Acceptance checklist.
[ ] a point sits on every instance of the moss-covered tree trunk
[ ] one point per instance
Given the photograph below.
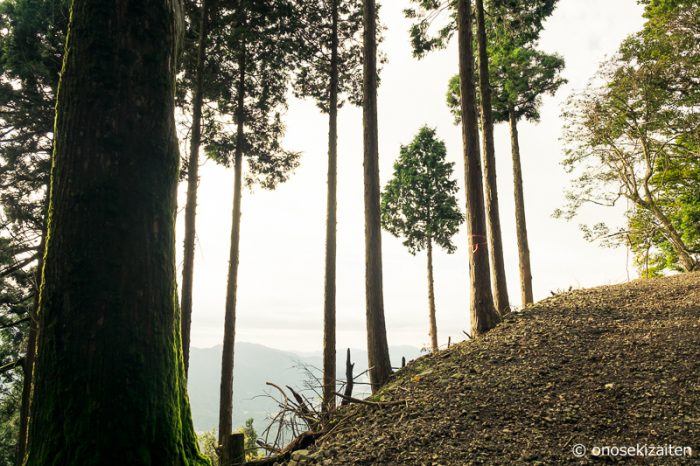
(109, 385)
(377, 346)
(482, 311)
(520, 222)
(493, 218)
(192, 185)
(329, 369)
(227, 356)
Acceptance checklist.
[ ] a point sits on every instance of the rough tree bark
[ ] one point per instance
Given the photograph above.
(482, 311)
(192, 184)
(227, 356)
(431, 299)
(520, 223)
(377, 346)
(493, 218)
(109, 385)
(329, 369)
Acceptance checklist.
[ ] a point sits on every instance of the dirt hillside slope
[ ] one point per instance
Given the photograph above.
(609, 366)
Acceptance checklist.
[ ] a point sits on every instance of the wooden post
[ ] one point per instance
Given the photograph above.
(233, 450)
(449, 341)
(403, 362)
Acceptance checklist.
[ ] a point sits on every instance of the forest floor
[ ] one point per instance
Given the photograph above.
(612, 366)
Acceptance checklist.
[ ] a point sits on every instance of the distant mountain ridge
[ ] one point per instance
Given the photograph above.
(254, 366)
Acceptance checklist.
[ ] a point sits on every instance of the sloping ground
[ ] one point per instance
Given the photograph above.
(610, 366)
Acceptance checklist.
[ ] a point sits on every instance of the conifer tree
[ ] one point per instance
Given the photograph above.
(419, 205)
(192, 167)
(377, 345)
(493, 218)
(252, 40)
(31, 51)
(109, 358)
(483, 313)
(519, 75)
(330, 71)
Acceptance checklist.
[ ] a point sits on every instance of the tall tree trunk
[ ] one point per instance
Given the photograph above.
(30, 355)
(482, 311)
(227, 356)
(192, 184)
(329, 369)
(520, 224)
(109, 384)
(431, 299)
(498, 269)
(377, 346)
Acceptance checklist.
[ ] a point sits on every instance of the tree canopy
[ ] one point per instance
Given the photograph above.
(419, 203)
(633, 135)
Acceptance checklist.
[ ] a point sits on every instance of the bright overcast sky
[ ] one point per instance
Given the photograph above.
(280, 289)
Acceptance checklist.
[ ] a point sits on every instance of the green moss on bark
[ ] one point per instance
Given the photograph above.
(109, 382)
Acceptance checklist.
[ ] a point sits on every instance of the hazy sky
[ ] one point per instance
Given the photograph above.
(280, 289)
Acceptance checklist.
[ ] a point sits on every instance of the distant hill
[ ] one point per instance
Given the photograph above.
(255, 365)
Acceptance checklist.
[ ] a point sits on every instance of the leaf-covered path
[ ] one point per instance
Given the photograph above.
(610, 366)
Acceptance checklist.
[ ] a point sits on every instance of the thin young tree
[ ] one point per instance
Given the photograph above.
(419, 205)
(109, 358)
(377, 345)
(253, 43)
(193, 182)
(483, 313)
(31, 50)
(519, 75)
(493, 218)
(330, 71)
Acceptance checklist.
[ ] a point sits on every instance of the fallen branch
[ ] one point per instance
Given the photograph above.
(284, 395)
(15, 323)
(303, 441)
(11, 365)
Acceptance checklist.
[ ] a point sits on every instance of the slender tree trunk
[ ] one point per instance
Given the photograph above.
(227, 357)
(493, 218)
(109, 385)
(520, 224)
(482, 311)
(377, 346)
(431, 299)
(192, 184)
(30, 356)
(329, 369)
(687, 261)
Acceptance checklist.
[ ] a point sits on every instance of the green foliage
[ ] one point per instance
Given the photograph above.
(251, 437)
(10, 398)
(251, 59)
(519, 73)
(208, 443)
(32, 36)
(314, 41)
(633, 134)
(418, 203)
(505, 16)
